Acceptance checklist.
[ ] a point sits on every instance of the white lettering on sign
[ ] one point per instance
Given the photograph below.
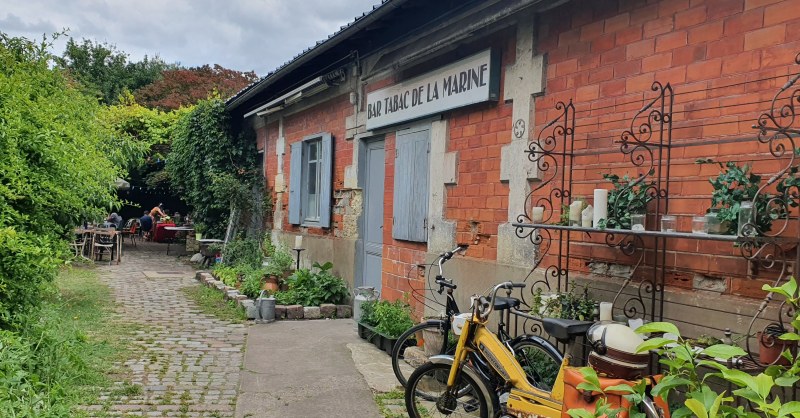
(472, 80)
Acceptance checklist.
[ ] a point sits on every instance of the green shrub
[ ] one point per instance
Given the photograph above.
(280, 262)
(368, 313)
(314, 287)
(251, 285)
(227, 274)
(242, 252)
(391, 318)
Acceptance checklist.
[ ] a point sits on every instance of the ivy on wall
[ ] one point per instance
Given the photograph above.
(213, 168)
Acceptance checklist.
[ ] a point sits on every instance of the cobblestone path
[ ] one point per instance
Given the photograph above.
(185, 363)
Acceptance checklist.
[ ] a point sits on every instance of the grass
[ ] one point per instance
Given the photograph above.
(211, 302)
(383, 400)
(64, 353)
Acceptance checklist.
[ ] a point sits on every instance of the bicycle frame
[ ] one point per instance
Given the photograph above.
(524, 399)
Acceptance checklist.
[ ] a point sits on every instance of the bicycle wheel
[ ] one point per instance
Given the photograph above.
(539, 363)
(404, 365)
(426, 394)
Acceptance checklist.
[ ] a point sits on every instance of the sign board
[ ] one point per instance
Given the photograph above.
(471, 80)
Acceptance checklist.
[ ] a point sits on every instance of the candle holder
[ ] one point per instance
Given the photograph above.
(297, 263)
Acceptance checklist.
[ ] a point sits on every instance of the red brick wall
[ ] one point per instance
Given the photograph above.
(479, 202)
(330, 117)
(725, 60)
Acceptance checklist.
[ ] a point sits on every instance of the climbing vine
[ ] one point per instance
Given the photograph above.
(211, 167)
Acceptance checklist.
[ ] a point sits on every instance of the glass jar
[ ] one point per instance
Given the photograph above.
(699, 225)
(668, 223)
(746, 217)
(638, 222)
(713, 224)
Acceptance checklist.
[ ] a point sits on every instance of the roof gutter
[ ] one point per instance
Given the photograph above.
(382, 10)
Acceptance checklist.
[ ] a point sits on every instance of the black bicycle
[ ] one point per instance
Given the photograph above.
(539, 358)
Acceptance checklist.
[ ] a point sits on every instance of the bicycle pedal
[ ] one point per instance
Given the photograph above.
(471, 405)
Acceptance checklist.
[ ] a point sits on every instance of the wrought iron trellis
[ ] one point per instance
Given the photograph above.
(646, 144)
(780, 197)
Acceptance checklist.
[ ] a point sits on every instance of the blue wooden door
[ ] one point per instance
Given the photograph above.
(373, 213)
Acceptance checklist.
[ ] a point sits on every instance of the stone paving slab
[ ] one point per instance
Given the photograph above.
(185, 363)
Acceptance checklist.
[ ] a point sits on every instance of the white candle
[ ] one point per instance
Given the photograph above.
(586, 217)
(605, 311)
(298, 241)
(575, 212)
(600, 206)
(537, 213)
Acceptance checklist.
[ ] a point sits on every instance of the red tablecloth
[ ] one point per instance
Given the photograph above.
(161, 234)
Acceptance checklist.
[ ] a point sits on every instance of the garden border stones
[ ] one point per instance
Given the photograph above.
(325, 311)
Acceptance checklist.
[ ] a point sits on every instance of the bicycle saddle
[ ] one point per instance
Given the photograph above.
(502, 303)
(565, 329)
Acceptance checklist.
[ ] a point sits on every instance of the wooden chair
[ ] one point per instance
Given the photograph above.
(104, 240)
(79, 243)
(130, 230)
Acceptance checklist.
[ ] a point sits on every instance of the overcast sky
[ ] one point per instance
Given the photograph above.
(243, 35)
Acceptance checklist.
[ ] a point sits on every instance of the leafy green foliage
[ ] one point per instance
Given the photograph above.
(389, 318)
(227, 274)
(313, 287)
(242, 252)
(628, 196)
(682, 361)
(251, 285)
(564, 305)
(393, 318)
(733, 186)
(57, 168)
(213, 169)
(280, 261)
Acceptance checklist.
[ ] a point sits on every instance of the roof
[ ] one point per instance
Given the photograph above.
(307, 54)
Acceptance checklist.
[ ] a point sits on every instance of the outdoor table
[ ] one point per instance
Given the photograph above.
(161, 234)
(176, 230)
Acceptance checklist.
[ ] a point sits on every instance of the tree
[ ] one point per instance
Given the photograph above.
(106, 72)
(186, 86)
(57, 168)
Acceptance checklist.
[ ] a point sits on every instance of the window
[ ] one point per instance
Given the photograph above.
(410, 221)
(310, 181)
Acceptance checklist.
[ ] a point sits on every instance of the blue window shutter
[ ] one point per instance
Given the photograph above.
(418, 230)
(402, 188)
(411, 187)
(295, 180)
(326, 181)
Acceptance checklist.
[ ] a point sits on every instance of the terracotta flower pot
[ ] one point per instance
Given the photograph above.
(770, 348)
(270, 283)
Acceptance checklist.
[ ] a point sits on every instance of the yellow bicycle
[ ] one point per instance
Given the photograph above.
(451, 386)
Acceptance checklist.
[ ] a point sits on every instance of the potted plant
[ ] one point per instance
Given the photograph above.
(565, 305)
(198, 231)
(278, 268)
(626, 197)
(382, 322)
(736, 184)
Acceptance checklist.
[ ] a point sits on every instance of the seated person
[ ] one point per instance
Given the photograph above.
(146, 224)
(114, 220)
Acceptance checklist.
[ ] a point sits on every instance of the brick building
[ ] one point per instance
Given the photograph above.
(379, 175)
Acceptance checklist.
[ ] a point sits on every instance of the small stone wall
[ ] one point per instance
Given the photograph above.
(325, 311)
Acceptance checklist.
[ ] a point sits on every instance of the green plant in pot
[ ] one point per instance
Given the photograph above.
(627, 196)
(567, 305)
(736, 184)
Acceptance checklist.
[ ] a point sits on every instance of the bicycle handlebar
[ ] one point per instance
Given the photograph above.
(443, 258)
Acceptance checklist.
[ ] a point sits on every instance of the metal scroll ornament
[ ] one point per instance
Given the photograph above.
(769, 247)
